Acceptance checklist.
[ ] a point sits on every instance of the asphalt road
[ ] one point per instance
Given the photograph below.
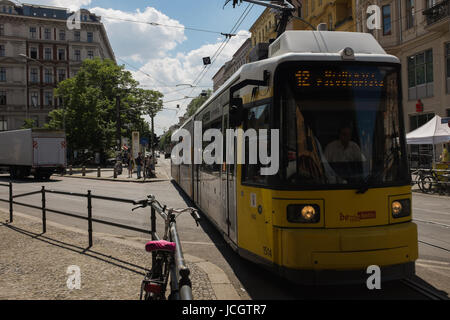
(252, 282)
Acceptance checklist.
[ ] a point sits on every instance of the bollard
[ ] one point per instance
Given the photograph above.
(44, 212)
(115, 173)
(83, 170)
(99, 173)
(70, 170)
(89, 197)
(10, 202)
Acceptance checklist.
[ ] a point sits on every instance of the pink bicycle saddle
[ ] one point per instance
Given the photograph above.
(161, 245)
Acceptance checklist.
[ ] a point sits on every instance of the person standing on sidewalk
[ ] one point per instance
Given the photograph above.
(130, 165)
(139, 163)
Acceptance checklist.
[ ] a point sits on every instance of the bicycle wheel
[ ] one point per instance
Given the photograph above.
(154, 285)
(426, 184)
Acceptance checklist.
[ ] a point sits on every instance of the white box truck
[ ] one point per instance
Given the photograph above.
(35, 152)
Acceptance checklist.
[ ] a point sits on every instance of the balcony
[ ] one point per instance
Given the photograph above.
(438, 16)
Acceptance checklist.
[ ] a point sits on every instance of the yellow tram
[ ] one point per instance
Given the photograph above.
(340, 200)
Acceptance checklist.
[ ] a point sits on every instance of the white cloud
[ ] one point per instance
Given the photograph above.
(140, 41)
(184, 68)
(70, 4)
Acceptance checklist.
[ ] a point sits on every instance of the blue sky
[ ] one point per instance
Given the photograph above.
(170, 56)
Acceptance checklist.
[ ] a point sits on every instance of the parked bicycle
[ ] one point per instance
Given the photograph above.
(167, 256)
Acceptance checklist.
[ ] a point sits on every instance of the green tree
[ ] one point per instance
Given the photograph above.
(29, 124)
(196, 103)
(89, 113)
(165, 141)
(151, 102)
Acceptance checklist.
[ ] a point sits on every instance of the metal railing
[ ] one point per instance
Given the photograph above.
(437, 12)
(181, 272)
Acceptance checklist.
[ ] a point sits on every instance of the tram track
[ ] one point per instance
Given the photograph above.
(429, 293)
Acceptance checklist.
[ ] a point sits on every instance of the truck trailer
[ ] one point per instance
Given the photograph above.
(37, 152)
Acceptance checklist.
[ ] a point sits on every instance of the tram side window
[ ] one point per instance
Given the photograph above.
(257, 118)
(214, 168)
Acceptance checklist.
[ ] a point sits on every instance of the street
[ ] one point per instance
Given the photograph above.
(432, 214)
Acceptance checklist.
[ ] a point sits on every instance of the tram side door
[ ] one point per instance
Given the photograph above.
(228, 183)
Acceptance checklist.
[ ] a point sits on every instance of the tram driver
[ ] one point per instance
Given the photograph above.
(344, 149)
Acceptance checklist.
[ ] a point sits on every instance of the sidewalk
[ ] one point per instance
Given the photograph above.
(108, 175)
(34, 266)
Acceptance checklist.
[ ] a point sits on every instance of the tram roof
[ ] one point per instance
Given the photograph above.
(308, 46)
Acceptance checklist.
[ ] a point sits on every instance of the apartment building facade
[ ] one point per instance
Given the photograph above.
(37, 51)
(418, 33)
(337, 14)
(240, 58)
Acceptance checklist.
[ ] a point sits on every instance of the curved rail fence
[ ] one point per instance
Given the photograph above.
(180, 271)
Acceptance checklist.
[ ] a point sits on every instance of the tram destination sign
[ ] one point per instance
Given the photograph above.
(338, 79)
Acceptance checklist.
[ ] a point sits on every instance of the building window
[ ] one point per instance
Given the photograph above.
(34, 99)
(48, 76)
(77, 36)
(77, 55)
(2, 29)
(420, 75)
(3, 124)
(61, 54)
(48, 98)
(447, 51)
(62, 35)
(3, 74)
(91, 54)
(90, 37)
(33, 53)
(61, 75)
(431, 3)
(48, 54)
(2, 98)
(47, 34)
(2, 51)
(330, 22)
(410, 14)
(386, 20)
(33, 33)
(34, 75)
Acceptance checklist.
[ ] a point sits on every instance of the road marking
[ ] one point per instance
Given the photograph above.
(431, 266)
(433, 211)
(433, 261)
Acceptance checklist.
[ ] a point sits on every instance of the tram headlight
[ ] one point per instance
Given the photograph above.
(303, 213)
(401, 208)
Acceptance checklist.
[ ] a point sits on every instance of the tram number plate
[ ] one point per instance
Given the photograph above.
(267, 251)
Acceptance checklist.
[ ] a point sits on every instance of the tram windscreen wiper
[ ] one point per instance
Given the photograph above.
(365, 184)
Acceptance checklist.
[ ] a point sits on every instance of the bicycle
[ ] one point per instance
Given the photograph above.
(163, 251)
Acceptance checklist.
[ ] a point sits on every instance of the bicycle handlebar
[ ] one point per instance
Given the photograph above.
(151, 200)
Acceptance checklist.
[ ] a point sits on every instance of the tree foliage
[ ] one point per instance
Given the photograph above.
(89, 112)
(196, 103)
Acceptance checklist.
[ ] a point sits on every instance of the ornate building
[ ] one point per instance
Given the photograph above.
(337, 14)
(37, 50)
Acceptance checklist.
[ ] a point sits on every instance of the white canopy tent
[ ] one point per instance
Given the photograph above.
(433, 132)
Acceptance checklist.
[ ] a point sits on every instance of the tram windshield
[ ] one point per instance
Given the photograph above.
(341, 125)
